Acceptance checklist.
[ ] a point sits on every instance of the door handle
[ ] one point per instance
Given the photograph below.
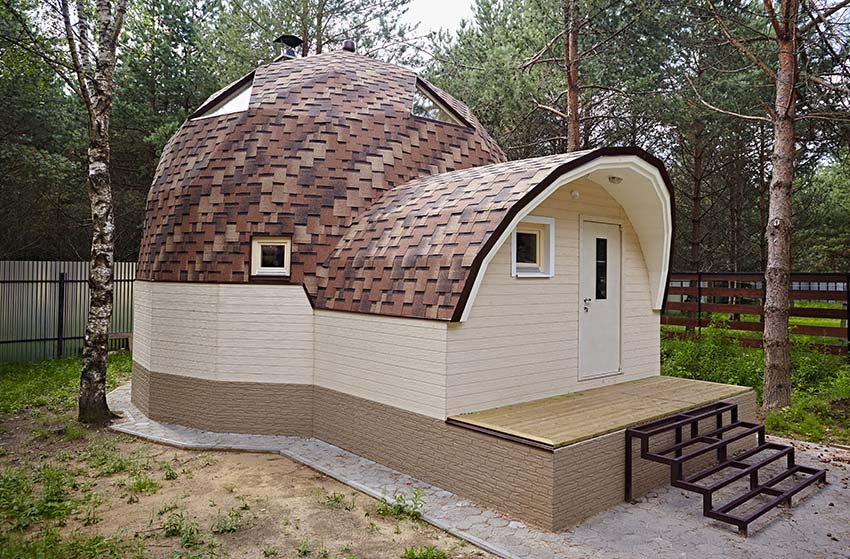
(586, 303)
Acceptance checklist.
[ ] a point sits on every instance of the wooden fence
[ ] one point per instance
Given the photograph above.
(819, 306)
(44, 305)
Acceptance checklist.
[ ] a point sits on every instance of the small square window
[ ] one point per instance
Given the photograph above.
(270, 256)
(528, 249)
(533, 248)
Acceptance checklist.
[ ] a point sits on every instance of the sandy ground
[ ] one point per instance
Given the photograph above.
(279, 505)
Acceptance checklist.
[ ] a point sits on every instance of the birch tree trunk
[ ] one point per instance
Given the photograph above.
(777, 363)
(92, 402)
(93, 55)
(571, 24)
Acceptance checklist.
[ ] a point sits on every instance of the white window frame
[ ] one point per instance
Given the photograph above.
(546, 248)
(256, 256)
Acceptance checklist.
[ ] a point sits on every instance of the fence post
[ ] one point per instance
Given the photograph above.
(60, 322)
(847, 311)
(699, 302)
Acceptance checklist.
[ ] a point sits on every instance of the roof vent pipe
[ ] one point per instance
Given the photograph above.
(348, 45)
(290, 42)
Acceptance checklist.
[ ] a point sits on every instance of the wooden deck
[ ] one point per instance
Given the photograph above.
(570, 418)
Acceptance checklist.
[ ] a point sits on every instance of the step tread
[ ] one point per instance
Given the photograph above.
(744, 468)
(714, 440)
(724, 514)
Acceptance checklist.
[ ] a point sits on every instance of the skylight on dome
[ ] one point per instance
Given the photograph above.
(234, 103)
(426, 106)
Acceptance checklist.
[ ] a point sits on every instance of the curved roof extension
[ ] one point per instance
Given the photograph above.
(422, 249)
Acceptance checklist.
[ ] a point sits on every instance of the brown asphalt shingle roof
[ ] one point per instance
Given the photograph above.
(324, 137)
(412, 253)
(418, 250)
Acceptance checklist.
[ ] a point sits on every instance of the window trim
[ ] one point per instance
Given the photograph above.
(424, 90)
(257, 269)
(545, 247)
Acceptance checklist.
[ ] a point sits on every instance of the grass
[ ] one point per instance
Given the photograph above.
(820, 397)
(427, 552)
(47, 543)
(52, 383)
(29, 497)
(62, 486)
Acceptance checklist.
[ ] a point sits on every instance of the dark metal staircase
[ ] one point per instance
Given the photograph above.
(708, 435)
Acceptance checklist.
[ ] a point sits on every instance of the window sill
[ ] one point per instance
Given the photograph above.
(533, 275)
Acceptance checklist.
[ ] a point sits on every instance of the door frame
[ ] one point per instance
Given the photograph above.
(606, 221)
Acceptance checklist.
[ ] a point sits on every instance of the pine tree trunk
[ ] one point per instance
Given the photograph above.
(571, 23)
(92, 403)
(696, 198)
(777, 363)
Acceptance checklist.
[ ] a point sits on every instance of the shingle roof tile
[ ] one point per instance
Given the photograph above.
(323, 138)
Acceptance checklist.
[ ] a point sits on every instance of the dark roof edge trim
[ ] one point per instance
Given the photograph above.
(223, 94)
(475, 269)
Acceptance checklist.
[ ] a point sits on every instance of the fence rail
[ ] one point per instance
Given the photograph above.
(44, 305)
(819, 306)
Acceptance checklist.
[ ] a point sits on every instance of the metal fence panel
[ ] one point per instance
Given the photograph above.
(33, 324)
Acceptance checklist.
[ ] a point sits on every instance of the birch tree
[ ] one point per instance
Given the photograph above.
(92, 47)
(777, 50)
(90, 30)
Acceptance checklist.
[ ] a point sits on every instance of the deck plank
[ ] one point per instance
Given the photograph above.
(570, 418)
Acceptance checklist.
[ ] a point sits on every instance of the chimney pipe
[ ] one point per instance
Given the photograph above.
(290, 43)
(348, 45)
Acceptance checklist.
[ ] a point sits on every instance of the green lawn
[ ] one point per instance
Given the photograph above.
(51, 383)
(820, 409)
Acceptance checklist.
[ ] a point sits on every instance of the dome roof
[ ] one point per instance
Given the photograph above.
(309, 145)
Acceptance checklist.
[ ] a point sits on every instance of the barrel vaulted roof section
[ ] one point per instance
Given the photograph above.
(421, 250)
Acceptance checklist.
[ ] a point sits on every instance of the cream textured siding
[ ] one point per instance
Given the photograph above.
(399, 362)
(521, 339)
(228, 332)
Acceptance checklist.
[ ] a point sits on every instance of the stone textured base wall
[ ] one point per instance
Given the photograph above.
(511, 477)
(550, 489)
(589, 476)
(225, 407)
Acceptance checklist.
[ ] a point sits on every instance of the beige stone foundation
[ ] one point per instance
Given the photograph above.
(224, 406)
(551, 489)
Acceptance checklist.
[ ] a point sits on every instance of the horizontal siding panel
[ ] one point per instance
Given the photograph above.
(521, 339)
(398, 362)
(226, 332)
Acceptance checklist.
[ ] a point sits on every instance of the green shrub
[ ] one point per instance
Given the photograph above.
(820, 408)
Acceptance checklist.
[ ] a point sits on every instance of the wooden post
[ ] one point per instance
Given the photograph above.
(847, 311)
(60, 319)
(699, 303)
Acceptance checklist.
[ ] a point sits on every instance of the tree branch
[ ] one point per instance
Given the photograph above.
(539, 54)
(724, 111)
(739, 45)
(552, 110)
(822, 16)
(75, 56)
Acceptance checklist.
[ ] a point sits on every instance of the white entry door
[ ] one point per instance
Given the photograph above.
(599, 299)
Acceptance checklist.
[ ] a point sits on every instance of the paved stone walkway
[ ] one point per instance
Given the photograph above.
(665, 524)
